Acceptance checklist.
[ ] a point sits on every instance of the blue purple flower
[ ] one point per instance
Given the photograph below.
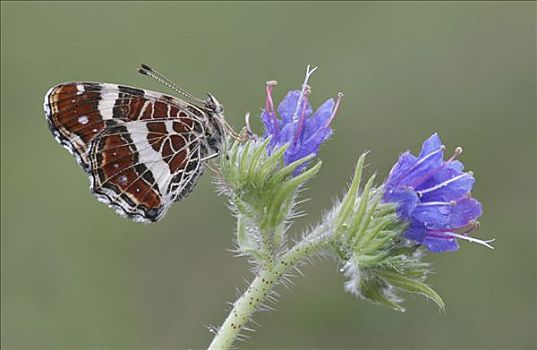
(434, 196)
(297, 125)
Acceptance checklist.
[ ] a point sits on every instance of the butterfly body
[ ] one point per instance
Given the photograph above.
(142, 150)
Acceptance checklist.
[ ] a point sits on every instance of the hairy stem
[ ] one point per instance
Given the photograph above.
(257, 291)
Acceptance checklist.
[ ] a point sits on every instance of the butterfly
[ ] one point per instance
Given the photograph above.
(142, 150)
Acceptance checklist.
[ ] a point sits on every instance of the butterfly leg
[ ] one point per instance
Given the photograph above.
(215, 171)
(209, 157)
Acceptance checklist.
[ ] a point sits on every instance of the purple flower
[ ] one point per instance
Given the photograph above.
(297, 125)
(434, 196)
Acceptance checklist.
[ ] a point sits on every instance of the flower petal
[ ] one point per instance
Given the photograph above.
(271, 123)
(456, 165)
(300, 150)
(439, 245)
(466, 210)
(312, 144)
(424, 167)
(406, 200)
(431, 144)
(323, 114)
(404, 164)
(416, 232)
(432, 213)
(288, 106)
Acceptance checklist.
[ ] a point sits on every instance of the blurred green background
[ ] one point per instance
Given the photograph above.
(75, 275)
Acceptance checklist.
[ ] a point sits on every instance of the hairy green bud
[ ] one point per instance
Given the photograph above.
(262, 192)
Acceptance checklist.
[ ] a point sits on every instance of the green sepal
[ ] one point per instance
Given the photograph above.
(369, 240)
(412, 285)
(262, 192)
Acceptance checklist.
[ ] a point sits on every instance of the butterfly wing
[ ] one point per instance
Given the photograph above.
(140, 167)
(76, 112)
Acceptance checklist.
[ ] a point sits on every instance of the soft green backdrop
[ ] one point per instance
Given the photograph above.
(75, 275)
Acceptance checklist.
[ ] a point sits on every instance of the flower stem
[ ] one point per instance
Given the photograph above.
(242, 310)
(260, 287)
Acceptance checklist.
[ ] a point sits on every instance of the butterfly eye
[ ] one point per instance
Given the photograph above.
(210, 106)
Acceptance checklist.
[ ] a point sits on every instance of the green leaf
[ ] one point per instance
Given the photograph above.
(412, 286)
(288, 170)
(362, 206)
(244, 159)
(374, 290)
(287, 188)
(272, 161)
(254, 162)
(348, 201)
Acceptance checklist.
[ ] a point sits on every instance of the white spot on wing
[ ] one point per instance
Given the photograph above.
(83, 119)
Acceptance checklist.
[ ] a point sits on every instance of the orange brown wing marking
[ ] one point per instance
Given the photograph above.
(185, 124)
(177, 148)
(157, 132)
(146, 112)
(133, 104)
(160, 110)
(73, 116)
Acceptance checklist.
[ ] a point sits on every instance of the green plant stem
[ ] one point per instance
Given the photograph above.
(257, 291)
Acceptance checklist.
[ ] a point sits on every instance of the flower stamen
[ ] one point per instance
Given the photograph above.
(302, 119)
(443, 184)
(471, 226)
(471, 239)
(269, 104)
(309, 72)
(334, 111)
(456, 153)
(433, 172)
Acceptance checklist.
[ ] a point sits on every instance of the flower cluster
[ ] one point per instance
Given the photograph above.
(298, 127)
(425, 199)
(433, 195)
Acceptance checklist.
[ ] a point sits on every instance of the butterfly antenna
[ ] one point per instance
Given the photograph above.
(151, 72)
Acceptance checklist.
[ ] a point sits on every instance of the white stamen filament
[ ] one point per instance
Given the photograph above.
(471, 239)
(309, 72)
(429, 155)
(445, 183)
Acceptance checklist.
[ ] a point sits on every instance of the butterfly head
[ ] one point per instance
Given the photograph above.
(212, 105)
